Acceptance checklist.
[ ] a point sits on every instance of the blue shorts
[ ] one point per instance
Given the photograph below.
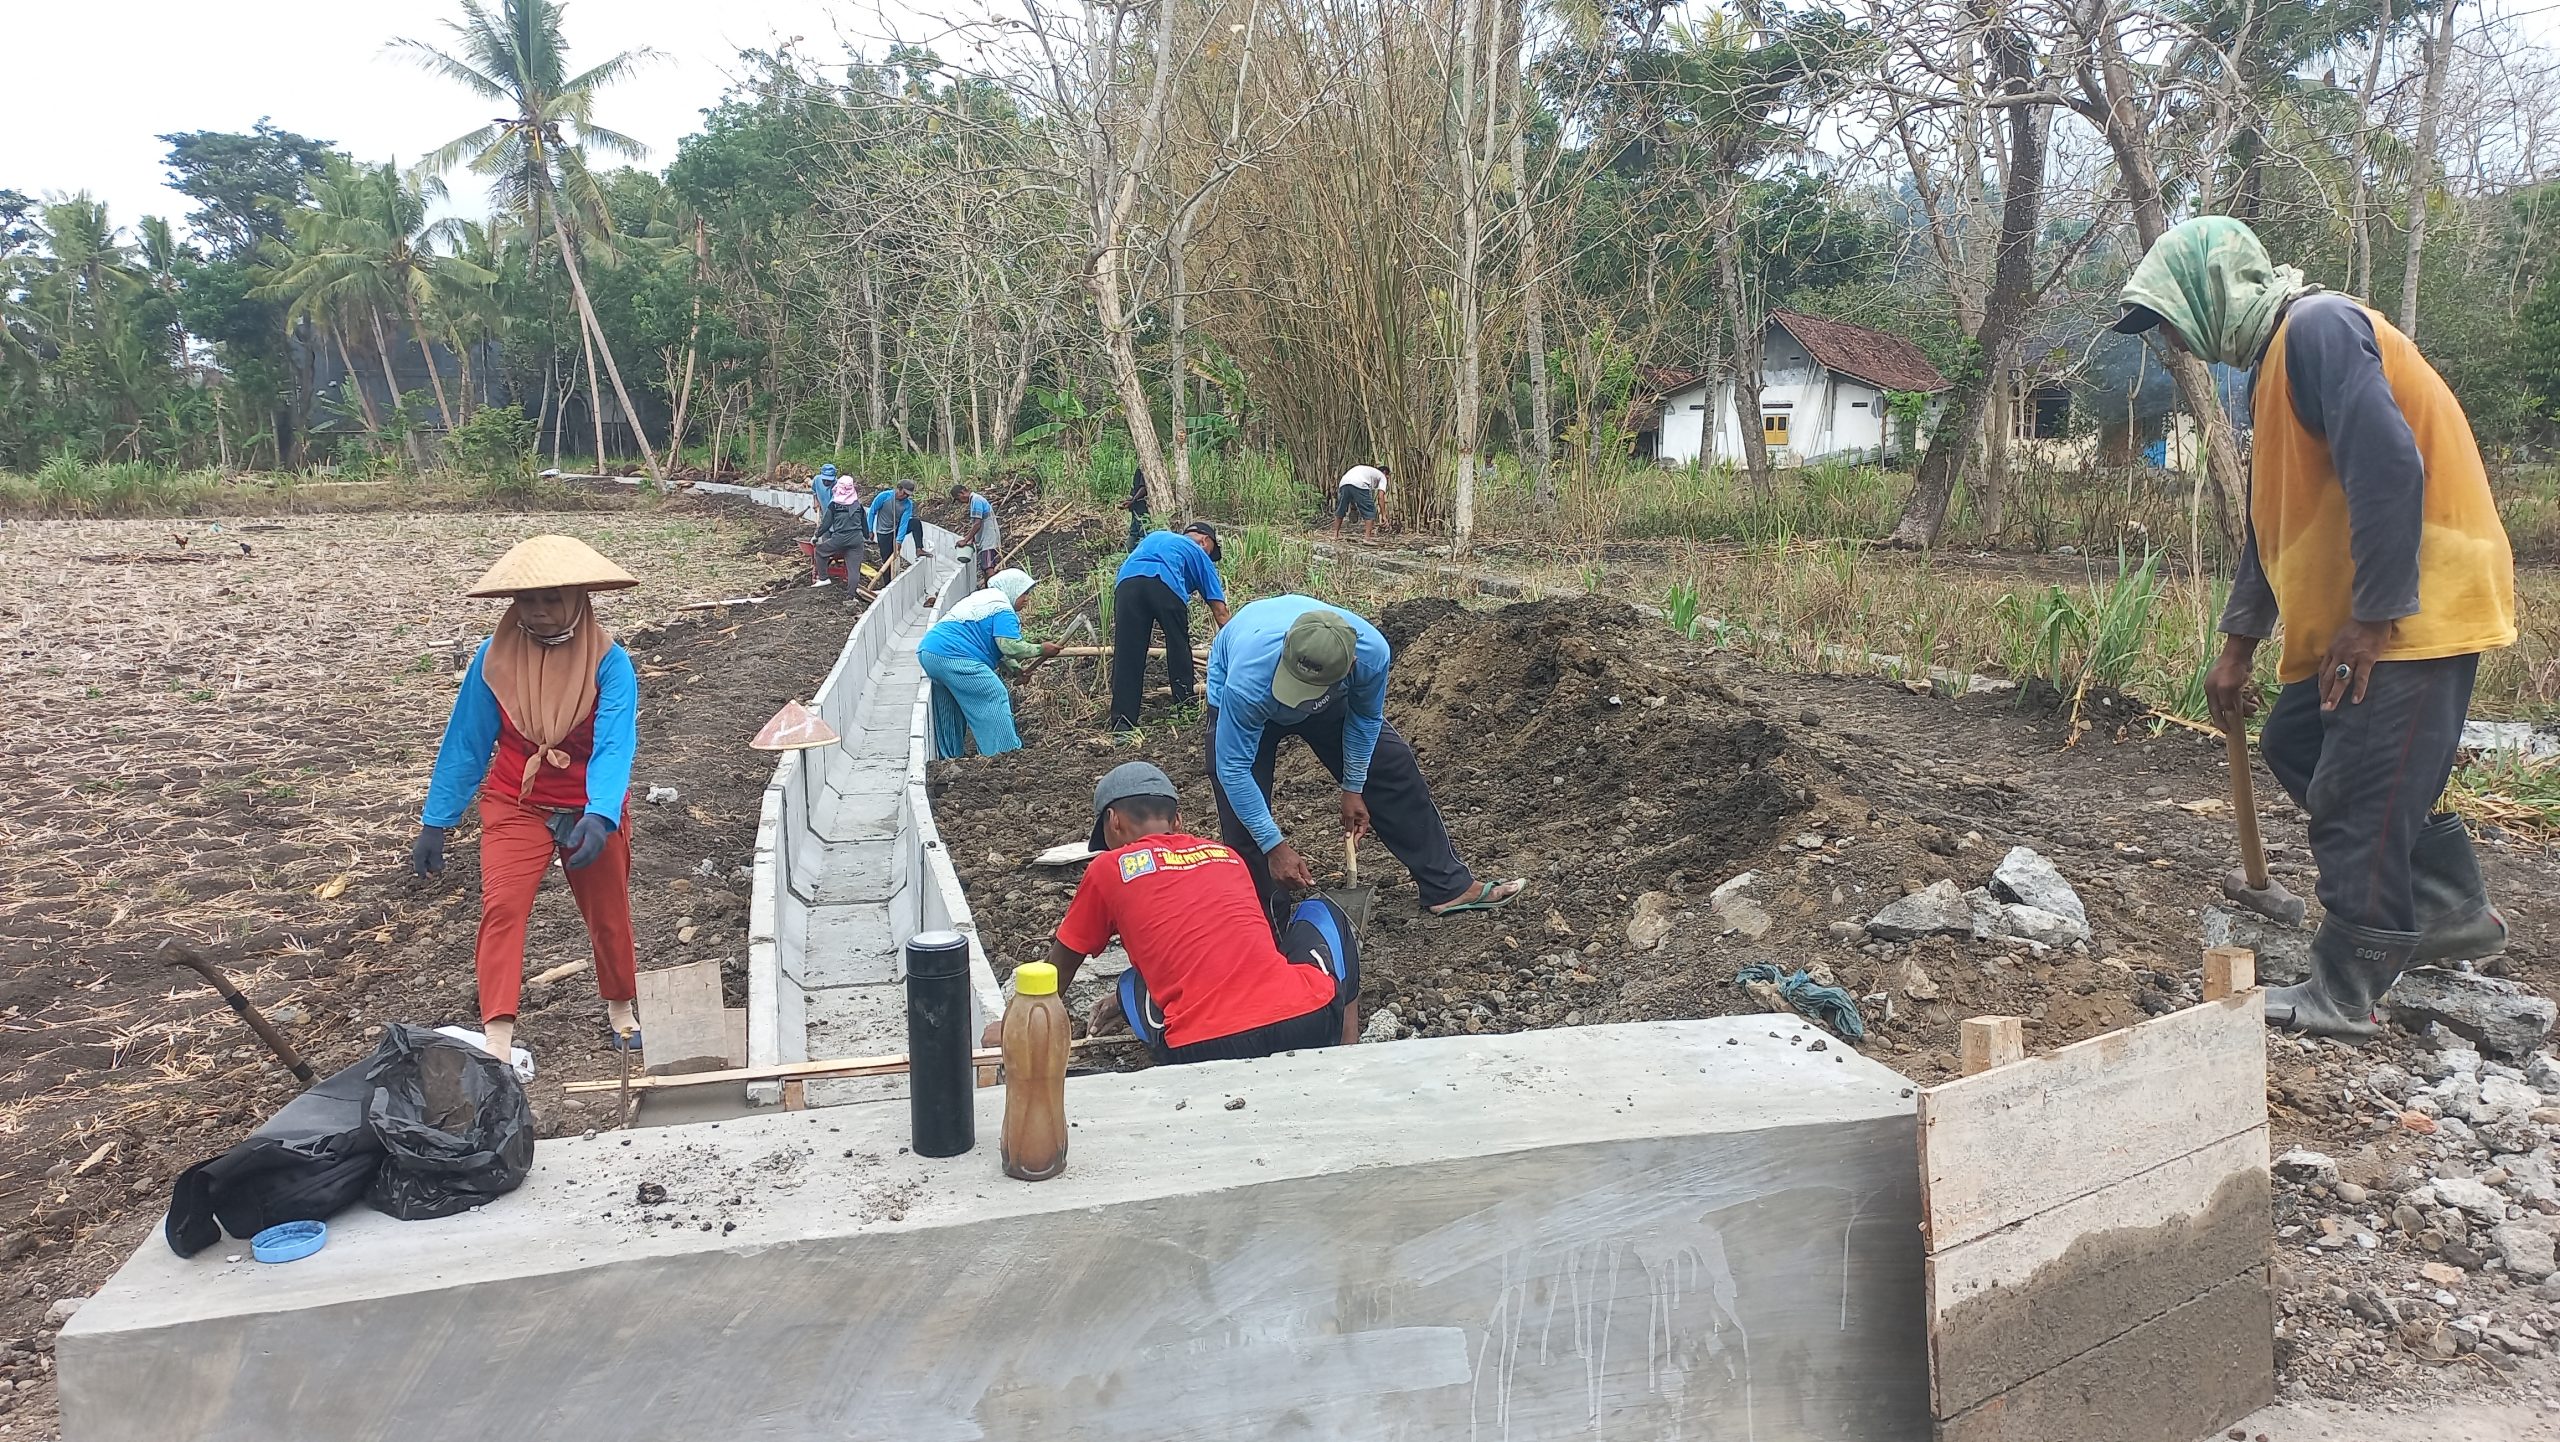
(1360, 500)
(1318, 934)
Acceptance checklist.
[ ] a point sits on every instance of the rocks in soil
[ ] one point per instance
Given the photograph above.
(2304, 1168)
(1998, 910)
(2034, 923)
(1914, 982)
(2526, 1250)
(1384, 1025)
(1938, 909)
(2500, 1017)
(2025, 877)
(2472, 1198)
(1650, 927)
(1990, 918)
(1733, 904)
(2283, 952)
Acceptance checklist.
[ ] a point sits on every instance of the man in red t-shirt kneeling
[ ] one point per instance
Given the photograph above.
(1205, 982)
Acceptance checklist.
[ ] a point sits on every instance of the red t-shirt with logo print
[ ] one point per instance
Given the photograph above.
(1186, 911)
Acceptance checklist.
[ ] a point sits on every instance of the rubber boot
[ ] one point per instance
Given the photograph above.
(2351, 967)
(2456, 921)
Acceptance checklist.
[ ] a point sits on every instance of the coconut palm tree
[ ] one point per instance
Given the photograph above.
(514, 55)
(366, 244)
(90, 264)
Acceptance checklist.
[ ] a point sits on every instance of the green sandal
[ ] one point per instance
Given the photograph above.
(1485, 899)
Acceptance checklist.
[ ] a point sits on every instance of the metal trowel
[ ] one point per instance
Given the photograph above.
(1351, 896)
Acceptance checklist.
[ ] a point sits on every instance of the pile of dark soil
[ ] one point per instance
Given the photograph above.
(1566, 741)
(1630, 774)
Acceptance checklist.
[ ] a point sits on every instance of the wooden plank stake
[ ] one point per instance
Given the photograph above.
(894, 1064)
(2229, 971)
(1984, 1042)
(1029, 536)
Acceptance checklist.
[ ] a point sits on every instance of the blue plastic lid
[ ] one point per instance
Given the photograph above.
(289, 1241)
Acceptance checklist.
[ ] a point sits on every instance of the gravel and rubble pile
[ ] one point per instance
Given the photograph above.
(2430, 1245)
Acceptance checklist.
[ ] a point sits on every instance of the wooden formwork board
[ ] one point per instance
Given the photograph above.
(683, 1025)
(2098, 1233)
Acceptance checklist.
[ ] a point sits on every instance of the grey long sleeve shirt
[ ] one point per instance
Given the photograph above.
(2333, 364)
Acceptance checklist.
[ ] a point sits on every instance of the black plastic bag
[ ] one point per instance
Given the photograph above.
(452, 1121)
(309, 1162)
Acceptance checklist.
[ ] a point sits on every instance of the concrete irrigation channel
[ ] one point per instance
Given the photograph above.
(1735, 1226)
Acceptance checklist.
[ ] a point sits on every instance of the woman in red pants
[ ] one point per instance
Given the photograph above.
(543, 731)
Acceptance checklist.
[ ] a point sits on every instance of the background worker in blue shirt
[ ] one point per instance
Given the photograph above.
(822, 489)
(981, 535)
(891, 518)
(969, 653)
(1154, 590)
(1294, 666)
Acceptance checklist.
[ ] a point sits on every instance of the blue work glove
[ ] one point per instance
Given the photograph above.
(426, 854)
(586, 842)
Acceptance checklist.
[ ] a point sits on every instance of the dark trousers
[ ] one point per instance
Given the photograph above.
(1318, 935)
(1400, 807)
(1137, 524)
(826, 548)
(2368, 775)
(1140, 606)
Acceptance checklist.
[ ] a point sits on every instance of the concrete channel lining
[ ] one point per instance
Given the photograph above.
(1676, 1229)
(824, 842)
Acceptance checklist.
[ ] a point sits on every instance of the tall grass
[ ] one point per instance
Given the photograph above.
(68, 486)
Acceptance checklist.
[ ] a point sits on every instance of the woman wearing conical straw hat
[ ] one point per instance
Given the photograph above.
(543, 731)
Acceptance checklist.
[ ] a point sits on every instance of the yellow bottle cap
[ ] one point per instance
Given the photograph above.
(1035, 978)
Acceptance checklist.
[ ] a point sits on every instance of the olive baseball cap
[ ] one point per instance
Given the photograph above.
(1316, 654)
(1126, 781)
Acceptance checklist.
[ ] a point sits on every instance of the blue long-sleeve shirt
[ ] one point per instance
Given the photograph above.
(1241, 663)
(907, 524)
(471, 739)
(1176, 560)
(973, 638)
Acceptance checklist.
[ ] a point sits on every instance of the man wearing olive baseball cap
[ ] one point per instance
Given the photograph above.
(1294, 666)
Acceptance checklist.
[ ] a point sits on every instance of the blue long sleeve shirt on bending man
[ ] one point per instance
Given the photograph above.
(471, 739)
(1241, 663)
(1176, 560)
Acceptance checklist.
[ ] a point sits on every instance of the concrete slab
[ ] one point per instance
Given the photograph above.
(857, 1020)
(1688, 1229)
(846, 946)
(851, 873)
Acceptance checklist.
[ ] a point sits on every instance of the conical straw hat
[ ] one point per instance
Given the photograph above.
(539, 563)
(794, 728)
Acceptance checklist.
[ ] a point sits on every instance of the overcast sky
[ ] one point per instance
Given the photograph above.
(88, 88)
(87, 91)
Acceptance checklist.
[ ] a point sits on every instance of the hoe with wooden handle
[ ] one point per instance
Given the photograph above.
(2248, 883)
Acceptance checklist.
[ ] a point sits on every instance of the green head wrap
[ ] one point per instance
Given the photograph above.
(2211, 279)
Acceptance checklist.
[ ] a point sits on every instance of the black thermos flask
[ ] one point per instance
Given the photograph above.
(941, 1107)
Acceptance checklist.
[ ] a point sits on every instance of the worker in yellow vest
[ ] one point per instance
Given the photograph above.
(2372, 536)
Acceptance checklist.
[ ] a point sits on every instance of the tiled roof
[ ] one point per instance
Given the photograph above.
(1886, 361)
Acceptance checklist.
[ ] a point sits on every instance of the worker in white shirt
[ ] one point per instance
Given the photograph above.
(1358, 490)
